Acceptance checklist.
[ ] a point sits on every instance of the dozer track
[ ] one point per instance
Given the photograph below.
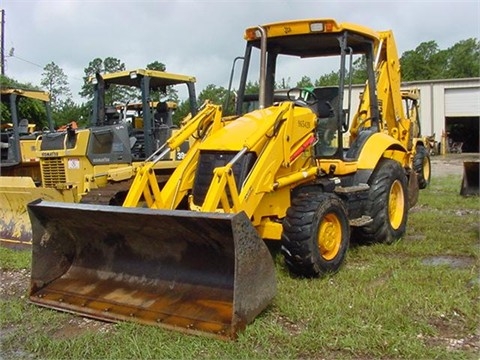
(112, 194)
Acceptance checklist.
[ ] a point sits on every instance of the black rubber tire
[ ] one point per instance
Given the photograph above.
(422, 166)
(387, 205)
(309, 216)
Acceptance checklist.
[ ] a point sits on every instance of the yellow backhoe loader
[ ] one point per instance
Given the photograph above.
(97, 164)
(190, 256)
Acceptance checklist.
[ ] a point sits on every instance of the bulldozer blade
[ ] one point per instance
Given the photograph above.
(471, 175)
(205, 273)
(15, 193)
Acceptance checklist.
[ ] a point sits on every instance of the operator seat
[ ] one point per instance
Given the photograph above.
(161, 113)
(326, 99)
(23, 127)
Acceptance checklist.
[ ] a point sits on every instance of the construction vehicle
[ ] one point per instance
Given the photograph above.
(19, 134)
(421, 160)
(19, 163)
(97, 164)
(110, 149)
(190, 256)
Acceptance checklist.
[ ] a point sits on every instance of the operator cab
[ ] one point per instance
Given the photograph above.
(324, 102)
(317, 45)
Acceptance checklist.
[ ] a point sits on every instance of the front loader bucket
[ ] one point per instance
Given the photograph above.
(471, 175)
(189, 271)
(15, 193)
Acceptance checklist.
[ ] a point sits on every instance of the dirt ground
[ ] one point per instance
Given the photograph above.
(451, 164)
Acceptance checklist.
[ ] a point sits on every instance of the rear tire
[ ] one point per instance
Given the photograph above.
(387, 205)
(315, 235)
(422, 166)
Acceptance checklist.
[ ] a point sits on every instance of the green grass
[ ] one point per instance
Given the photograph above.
(388, 301)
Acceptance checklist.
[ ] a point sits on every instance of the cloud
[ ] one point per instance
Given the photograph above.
(200, 37)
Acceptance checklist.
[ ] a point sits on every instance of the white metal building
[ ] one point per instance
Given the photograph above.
(446, 107)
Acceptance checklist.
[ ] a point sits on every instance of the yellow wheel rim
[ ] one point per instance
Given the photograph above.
(330, 236)
(426, 168)
(396, 204)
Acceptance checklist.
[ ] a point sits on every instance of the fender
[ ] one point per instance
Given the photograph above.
(381, 145)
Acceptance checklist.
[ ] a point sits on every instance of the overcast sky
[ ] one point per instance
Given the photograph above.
(199, 38)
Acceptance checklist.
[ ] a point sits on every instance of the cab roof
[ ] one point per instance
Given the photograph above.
(31, 94)
(311, 37)
(157, 78)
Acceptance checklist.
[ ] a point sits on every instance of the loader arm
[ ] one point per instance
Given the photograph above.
(145, 182)
(284, 137)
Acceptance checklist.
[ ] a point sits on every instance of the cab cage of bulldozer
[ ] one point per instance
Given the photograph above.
(148, 82)
(14, 128)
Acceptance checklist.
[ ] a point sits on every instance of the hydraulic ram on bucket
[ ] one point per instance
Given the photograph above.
(189, 271)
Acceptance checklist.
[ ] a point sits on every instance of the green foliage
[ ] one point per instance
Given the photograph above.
(157, 65)
(329, 79)
(100, 66)
(6, 82)
(252, 87)
(33, 110)
(55, 80)
(305, 82)
(217, 95)
(463, 59)
(182, 111)
(70, 111)
(425, 62)
(171, 94)
(14, 259)
(428, 62)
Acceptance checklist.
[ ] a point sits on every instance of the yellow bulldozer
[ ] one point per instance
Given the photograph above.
(96, 164)
(191, 255)
(19, 134)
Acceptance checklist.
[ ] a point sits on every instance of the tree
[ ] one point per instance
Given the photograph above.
(329, 79)
(252, 87)
(100, 66)
(182, 111)
(217, 95)
(56, 82)
(156, 65)
(171, 93)
(305, 82)
(72, 112)
(463, 59)
(426, 62)
(30, 109)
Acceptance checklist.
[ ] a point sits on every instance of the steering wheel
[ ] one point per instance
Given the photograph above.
(296, 95)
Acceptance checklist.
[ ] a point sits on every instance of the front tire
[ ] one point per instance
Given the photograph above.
(387, 205)
(315, 235)
(422, 166)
